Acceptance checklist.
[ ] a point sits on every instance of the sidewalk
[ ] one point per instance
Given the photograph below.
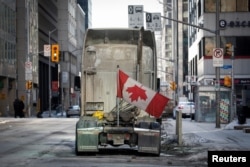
(199, 138)
(234, 123)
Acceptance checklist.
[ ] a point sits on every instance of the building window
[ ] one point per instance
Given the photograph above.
(228, 5)
(242, 46)
(210, 6)
(242, 5)
(226, 40)
(1, 50)
(200, 49)
(199, 8)
(209, 46)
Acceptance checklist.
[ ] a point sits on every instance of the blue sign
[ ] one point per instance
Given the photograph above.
(226, 66)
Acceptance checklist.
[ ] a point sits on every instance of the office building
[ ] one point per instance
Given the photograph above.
(234, 25)
(86, 5)
(8, 62)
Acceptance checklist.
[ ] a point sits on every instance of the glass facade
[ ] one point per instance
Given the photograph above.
(227, 6)
(241, 43)
(7, 32)
(206, 105)
(87, 8)
(7, 55)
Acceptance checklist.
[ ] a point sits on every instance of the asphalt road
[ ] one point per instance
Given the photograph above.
(50, 142)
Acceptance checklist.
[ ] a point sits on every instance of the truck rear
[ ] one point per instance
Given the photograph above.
(107, 122)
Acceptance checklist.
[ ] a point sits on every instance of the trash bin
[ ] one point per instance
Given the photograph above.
(242, 115)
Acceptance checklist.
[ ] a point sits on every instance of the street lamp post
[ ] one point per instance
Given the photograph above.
(50, 32)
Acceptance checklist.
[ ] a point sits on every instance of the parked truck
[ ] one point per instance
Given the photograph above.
(105, 121)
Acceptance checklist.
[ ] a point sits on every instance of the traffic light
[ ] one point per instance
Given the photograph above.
(28, 85)
(55, 53)
(228, 49)
(227, 81)
(173, 85)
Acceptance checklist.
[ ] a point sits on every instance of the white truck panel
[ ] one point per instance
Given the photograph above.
(104, 58)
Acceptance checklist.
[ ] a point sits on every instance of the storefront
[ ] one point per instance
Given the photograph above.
(206, 105)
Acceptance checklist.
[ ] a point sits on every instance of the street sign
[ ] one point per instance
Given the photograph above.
(153, 21)
(46, 50)
(28, 66)
(218, 57)
(135, 16)
(28, 76)
(227, 66)
(28, 70)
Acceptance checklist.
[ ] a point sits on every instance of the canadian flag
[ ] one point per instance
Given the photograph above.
(135, 93)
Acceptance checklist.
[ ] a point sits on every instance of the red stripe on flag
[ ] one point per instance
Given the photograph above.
(122, 79)
(157, 105)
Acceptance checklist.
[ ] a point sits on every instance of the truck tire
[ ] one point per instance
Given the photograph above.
(192, 116)
(76, 143)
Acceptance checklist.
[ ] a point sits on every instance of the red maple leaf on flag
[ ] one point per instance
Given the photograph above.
(136, 92)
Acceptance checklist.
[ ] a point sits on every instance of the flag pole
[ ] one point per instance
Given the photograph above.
(117, 98)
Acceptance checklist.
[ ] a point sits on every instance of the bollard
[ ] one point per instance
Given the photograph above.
(179, 127)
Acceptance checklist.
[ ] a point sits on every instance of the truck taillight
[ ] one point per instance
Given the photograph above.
(127, 136)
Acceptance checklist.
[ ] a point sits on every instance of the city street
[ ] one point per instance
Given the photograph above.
(33, 142)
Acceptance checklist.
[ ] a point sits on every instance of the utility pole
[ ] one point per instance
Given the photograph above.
(232, 87)
(217, 69)
(28, 102)
(175, 51)
(50, 95)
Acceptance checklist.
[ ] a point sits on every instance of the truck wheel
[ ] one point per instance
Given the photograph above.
(192, 117)
(76, 143)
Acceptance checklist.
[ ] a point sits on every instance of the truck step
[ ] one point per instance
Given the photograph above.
(241, 127)
(246, 130)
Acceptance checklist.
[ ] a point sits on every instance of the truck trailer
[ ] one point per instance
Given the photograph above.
(108, 122)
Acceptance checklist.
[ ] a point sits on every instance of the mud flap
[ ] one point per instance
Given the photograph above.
(87, 134)
(87, 141)
(149, 142)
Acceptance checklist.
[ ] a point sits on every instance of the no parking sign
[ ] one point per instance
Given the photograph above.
(218, 57)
